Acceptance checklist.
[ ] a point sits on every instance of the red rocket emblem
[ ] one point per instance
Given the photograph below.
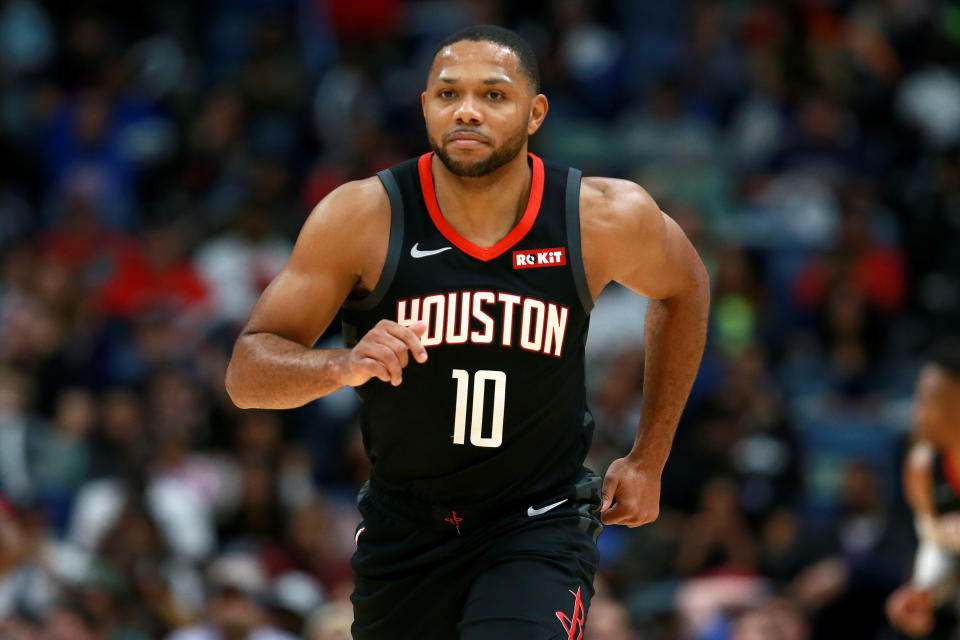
(573, 625)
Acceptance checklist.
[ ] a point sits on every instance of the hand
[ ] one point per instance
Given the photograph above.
(383, 353)
(910, 611)
(631, 494)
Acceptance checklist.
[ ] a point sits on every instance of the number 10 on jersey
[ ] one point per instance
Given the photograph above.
(480, 380)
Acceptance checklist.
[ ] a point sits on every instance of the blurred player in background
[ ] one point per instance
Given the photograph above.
(932, 486)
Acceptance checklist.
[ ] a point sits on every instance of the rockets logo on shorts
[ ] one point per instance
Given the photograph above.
(573, 624)
(556, 257)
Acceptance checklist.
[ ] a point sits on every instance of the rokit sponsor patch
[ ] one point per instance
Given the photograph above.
(533, 258)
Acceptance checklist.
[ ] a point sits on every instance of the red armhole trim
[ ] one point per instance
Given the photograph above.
(505, 243)
(951, 473)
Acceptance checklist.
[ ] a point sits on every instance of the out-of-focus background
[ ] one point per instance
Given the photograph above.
(157, 160)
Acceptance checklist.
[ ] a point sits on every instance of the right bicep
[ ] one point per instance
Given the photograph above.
(325, 266)
(299, 305)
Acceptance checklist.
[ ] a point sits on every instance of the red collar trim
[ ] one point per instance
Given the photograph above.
(512, 238)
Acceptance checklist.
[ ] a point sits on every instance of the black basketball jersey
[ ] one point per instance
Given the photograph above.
(946, 484)
(498, 411)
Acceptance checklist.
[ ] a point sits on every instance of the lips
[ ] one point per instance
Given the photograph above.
(466, 139)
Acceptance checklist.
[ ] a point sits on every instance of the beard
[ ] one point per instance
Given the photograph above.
(500, 156)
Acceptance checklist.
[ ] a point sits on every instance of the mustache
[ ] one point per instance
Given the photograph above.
(469, 130)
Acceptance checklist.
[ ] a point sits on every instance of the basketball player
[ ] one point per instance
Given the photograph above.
(466, 277)
(932, 486)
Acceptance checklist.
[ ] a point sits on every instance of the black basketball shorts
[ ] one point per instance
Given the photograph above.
(526, 575)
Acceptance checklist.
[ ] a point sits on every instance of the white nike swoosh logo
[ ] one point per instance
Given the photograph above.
(535, 512)
(417, 253)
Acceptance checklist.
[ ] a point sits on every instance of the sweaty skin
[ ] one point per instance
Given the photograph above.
(478, 106)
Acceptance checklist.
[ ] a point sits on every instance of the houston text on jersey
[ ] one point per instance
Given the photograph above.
(448, 318)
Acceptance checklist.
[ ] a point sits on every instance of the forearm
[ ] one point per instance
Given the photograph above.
(267, 371)
(676, 330)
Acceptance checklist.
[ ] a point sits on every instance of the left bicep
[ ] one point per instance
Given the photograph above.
(661, 262)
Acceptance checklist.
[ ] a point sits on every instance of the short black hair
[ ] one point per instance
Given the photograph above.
(503, 37)
(946, 355)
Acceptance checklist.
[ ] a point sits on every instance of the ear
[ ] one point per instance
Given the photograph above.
(538, 111)
(423, 104)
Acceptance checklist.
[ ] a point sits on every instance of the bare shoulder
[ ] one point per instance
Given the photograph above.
(618, 219)
(614, 212)
(350, 225)
(605, 201)
(351, 207)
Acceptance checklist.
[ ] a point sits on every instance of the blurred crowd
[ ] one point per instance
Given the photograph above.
(157, 160)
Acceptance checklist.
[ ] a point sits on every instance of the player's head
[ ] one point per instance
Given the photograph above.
(482, 99)
(937, 405)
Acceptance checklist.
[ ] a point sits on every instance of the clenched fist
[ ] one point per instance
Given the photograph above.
(631, 494)
(382, 353)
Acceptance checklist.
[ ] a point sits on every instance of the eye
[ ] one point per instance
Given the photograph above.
(495, 95)
(445, 93)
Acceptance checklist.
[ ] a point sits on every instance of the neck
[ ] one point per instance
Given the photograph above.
(484, 209)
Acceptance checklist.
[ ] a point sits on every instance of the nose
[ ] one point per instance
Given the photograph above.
(468, 111)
